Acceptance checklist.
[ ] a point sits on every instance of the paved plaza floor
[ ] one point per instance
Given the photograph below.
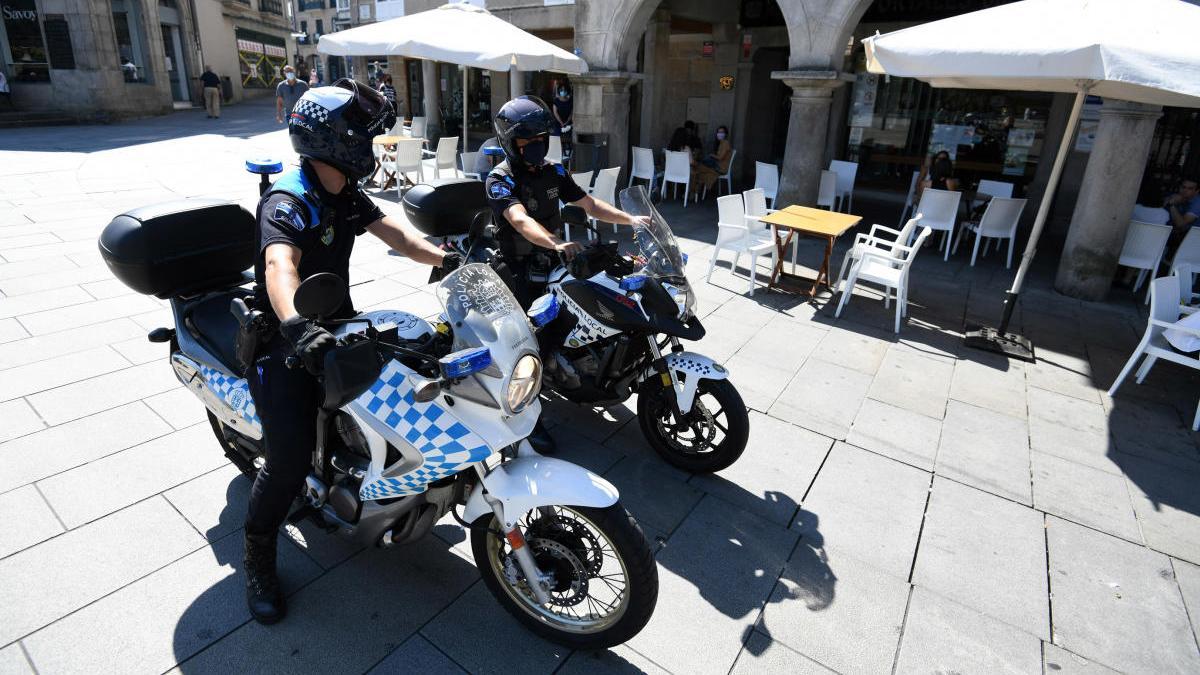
(905, 504)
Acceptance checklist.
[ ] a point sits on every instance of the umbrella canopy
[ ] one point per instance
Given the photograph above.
(462, 34)
(1140, 51)
(1143, 51)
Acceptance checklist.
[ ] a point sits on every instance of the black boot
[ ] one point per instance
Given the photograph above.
(262, 583)
(541, 440)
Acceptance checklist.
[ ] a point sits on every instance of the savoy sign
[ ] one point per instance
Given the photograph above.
(11, 14)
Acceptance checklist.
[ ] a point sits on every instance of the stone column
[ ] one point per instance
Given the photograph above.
(602, 106)
(654, 126)
(1106, 199)
(812, 96)
(431, 86)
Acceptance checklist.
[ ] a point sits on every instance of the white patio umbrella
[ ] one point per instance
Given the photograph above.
(1141, 51)
(458, 33)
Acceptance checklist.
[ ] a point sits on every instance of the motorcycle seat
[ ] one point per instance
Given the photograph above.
(215, 327)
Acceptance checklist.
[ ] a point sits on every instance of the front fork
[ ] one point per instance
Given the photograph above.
(539, 583)
(669, 379)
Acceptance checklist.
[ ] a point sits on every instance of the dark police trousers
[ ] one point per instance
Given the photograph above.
(286, 401)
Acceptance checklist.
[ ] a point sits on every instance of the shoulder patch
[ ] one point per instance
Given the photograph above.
(499, 189)
(286, 212)
(560, 169)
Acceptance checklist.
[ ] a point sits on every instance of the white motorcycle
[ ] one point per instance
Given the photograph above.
(416, 421)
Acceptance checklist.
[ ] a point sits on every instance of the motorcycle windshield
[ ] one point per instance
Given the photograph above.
(656, 243)
(483, 313)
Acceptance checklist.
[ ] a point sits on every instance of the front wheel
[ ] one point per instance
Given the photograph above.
(602, 576)
(711, 436)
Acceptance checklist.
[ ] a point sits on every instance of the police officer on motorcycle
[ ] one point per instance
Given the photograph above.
(307, 223)
(524, 192)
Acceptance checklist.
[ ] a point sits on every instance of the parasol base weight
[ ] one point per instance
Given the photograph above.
(1009, 344)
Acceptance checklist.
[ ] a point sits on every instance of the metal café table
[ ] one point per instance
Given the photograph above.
(827, 225)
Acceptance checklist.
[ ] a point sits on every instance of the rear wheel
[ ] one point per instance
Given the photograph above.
(602, 576)
(709, 438)
(246, 461)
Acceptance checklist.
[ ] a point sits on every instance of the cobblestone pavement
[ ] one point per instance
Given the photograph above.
(904, 504)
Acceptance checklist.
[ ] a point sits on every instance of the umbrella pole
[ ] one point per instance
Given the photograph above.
(999, 339)
(465, 73)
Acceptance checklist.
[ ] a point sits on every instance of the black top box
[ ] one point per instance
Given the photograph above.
(181, 247)
(447, 208)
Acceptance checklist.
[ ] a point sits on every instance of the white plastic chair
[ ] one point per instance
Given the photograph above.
(890, 270)
(1150, 214)
(939, 211)
(417, 128)
(468, 159)
(846, 173)
(754, 201)
(406, 161)
(1143, 250)
(873, 240)
(584, 180)
(443, 159)
(605, 189)
(1165, 310)
(737, 233)
(908, 200)
(1186, 276)
(554, 150)
(678, 171)
(1188, 252)
(999, 221)
(995, 188)
(827, 190)
(727, 176)
(766, 178)
(643, 167)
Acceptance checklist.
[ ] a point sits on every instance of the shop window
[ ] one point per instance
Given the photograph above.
(26, 48)
(261, 58)
(132, 56)
(320, 29)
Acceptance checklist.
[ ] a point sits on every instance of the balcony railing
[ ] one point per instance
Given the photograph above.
(271, 6)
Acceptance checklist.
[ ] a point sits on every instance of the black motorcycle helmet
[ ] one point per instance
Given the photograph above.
(522, 117)
(335, 125)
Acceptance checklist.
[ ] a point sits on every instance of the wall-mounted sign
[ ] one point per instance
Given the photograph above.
(726, 82)
(709, 48)
(747, 41)
(27, 51)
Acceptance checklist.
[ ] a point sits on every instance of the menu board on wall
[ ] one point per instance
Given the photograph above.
(58, 42)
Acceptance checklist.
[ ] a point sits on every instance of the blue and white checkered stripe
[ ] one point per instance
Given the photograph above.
(235, 392)
(447, 445)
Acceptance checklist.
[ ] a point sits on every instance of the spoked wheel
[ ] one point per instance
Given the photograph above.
(601, 576)
(710, 437)
(246, 462)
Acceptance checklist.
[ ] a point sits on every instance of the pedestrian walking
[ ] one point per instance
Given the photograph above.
(212, 92)
(287, 93)
(388, 91)
(4, 90)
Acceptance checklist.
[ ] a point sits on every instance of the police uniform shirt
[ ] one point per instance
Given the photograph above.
(325, 246)
(538, 191)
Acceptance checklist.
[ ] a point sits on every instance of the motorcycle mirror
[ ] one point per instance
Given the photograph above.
(426, 390)
(320, 295)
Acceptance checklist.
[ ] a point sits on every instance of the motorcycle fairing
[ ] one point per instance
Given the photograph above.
(528, 482)
(447, 446)
(588, 329)
(235, 392)
(697, 367)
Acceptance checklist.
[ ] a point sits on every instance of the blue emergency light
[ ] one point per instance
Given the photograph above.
(543, 310)
(464, 362)
(633, 282)
(264, 166)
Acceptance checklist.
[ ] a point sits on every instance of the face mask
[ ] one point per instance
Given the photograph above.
(562, 93)
(720, 135)
(291, 76)
(534, 153)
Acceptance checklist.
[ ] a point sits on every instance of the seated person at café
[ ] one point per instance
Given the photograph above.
(685, 138)
(1183, 210)
(710, 167)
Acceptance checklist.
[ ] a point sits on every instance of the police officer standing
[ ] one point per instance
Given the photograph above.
(307, 223)
(524, 192)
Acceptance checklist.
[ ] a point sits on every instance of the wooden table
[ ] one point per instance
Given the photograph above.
(827, 225)
(389, 178)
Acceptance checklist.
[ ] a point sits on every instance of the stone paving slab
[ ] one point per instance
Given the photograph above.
(987, 553)
(848, 512)
(619, 659)
(901, 434)
(1167, 505)
(1059, 661)
(823, 397)
(1084, 495)
(1117, 602)
(165, 617)
(13, 661)
(942, 636)
(28, 520)
(68, 341)
(763, 655)
(19, 420)
(992, 383)
(913, 382)
(1188, 576)
(51, 373)
(416, 655)
(986, 449)
(58, 576)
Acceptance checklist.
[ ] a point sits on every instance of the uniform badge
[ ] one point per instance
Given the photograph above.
(559, 168)
(327, 235)
(532, 204)
(499, 190)
(286, 212)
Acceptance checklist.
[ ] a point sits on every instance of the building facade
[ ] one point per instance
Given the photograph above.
(248, 42)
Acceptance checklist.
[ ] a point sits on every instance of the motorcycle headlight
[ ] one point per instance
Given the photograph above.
(524, 383)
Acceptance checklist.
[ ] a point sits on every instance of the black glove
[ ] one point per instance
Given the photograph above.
(450, 262)
(309, 341)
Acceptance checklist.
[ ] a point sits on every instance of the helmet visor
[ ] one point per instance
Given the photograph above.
(368, 108)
